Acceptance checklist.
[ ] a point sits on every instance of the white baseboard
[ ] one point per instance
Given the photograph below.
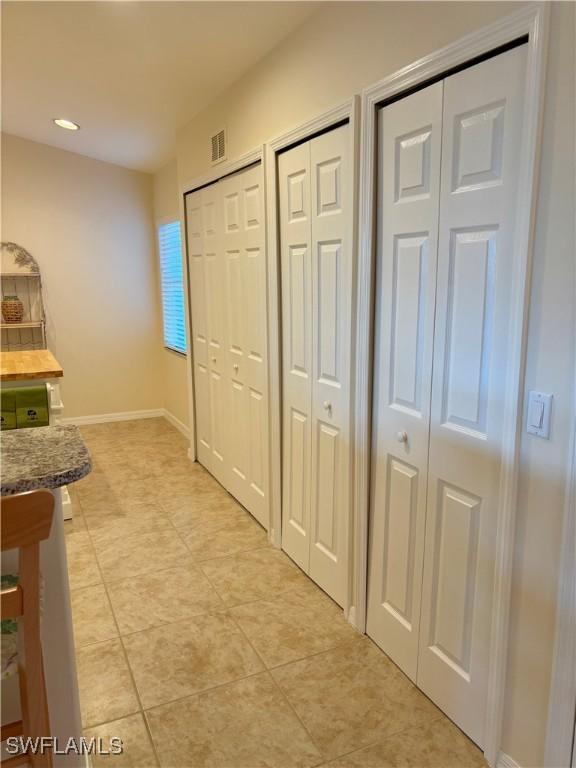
(350, 616)
(505, 761)
(180, 426)
(104, 418)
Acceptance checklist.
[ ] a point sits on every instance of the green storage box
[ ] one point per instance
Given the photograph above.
(31, 407)
(8, 403)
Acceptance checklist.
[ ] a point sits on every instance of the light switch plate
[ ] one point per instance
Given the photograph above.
(538, 415)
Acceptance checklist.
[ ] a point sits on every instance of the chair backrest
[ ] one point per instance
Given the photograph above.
(26, 518)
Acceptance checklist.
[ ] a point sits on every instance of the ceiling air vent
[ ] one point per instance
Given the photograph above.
(219, 146)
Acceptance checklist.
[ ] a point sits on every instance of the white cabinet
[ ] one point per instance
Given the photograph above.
(448, 168)
(227, 262)
(315, 199)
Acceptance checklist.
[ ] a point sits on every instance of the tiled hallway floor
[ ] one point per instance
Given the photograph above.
(199, 644)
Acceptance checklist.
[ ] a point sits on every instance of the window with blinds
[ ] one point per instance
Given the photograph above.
(172, 281)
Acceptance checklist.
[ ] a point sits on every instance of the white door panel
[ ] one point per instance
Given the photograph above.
(332, 274)
(296, 276)
(228, 304)
(216, 307)
(243, 246)
(410, 138)
(200, 334)
(315, 198)
(480, 159)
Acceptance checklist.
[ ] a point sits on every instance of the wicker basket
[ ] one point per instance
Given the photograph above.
(12, 309)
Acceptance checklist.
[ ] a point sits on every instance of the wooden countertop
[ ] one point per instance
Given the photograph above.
(30, 364)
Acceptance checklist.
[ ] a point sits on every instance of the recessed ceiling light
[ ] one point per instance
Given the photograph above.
(68, 124)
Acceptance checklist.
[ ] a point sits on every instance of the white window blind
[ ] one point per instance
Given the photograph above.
(171, 276)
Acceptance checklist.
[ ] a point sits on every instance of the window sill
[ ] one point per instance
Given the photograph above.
(176, 351)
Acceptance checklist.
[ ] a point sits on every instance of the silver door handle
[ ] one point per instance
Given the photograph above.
(236, 367)
(327, 406)
(402, 437)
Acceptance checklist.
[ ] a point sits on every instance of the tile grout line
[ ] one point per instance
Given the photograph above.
(378, 741)
(125, 656)
(231, 554)
(269, 670)
(194, 562)
(266, 671)
(177, 530)
(282, 693)
(223, 608)
(204, 691)
(141, 711)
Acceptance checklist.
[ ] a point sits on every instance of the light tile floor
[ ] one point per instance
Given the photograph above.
(198, 644)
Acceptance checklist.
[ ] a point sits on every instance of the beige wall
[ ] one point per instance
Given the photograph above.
(89, 226)
(339, 51)
(550, 368)
(334, 55)
(174, 366)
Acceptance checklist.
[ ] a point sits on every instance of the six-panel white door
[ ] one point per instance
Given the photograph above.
(228, 304)
(315, 194)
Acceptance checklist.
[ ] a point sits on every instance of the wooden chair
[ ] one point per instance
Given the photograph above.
(26, 521)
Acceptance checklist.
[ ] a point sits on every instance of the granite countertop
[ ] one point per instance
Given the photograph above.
(42, 457)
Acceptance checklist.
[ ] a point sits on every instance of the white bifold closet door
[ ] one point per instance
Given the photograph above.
(315, 198)
(228, 303)
(448, 171)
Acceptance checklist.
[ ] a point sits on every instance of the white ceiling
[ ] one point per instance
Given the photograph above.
(130, 73)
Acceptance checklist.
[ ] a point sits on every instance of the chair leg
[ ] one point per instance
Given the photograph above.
(45, 697)
(24, 703)
(35, 714)
(36, 722)
(45, 728)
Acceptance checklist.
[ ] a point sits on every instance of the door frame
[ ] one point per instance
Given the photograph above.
(347, 111)
(531, 21)
(256, 155)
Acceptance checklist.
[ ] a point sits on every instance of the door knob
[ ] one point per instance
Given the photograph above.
(402, 437)
(236, 367)
(327, 406)
(213, 359)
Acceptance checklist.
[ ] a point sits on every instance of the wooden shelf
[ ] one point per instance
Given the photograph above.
(27, 286)
(34, 324)
(12, 275)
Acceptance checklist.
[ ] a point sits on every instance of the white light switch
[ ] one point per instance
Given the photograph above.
(538, 417)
